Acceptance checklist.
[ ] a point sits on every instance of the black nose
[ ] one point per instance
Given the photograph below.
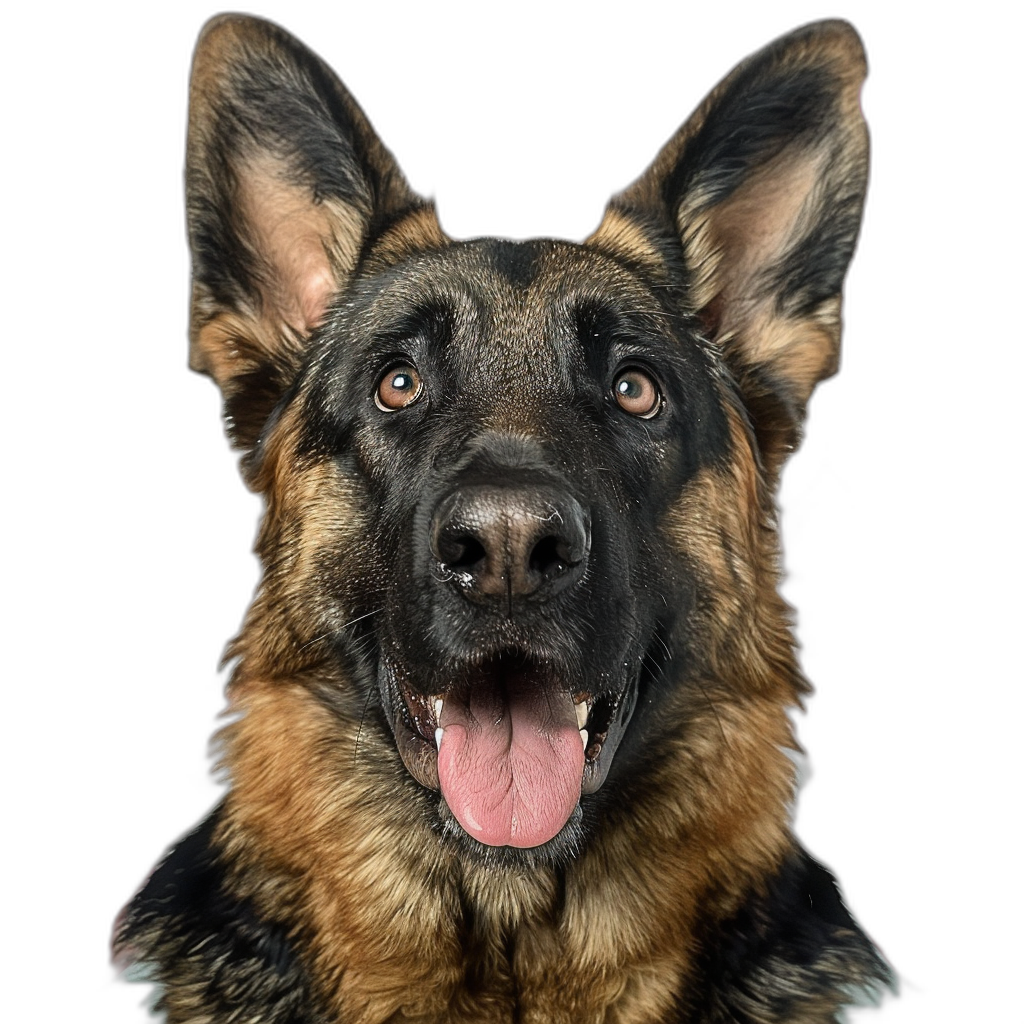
(507, 543)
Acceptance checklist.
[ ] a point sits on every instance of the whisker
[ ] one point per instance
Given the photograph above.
(714, 711)
(362, 721)
(340, 629)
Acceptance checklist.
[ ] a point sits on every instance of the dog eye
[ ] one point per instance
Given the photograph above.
(399, 387)
(637, 393)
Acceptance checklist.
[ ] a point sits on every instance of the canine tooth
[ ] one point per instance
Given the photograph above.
(585, 736)
(582, 711)
(438, 736)
(438, 704)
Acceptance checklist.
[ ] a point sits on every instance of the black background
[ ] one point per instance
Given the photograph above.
(520, 125)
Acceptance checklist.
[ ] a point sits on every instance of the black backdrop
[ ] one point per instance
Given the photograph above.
(519, 126)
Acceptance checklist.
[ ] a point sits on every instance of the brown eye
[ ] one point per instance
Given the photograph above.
(637, 394)
(399, 387)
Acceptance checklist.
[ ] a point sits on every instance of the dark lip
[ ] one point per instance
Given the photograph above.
(410, 709)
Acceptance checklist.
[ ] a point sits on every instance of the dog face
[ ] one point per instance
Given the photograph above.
(518, 632)
(500, 407)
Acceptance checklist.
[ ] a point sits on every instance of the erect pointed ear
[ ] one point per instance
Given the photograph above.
(763, 187)
(286, 184)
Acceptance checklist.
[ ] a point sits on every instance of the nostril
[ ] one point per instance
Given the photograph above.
(550, 556)
(460, 550)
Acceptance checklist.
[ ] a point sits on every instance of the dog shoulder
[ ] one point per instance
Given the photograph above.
(792, 954)
(211, 954)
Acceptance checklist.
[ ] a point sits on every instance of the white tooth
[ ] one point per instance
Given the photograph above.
(438, 704)
(585, 736)
(582, 711)
(438, 736)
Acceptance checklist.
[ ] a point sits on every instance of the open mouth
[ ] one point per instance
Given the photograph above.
(508, 743)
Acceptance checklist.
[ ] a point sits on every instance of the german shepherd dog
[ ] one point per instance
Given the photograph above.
(509, 710)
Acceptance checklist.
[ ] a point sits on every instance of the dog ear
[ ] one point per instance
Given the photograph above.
(763, 187)
(286, 182)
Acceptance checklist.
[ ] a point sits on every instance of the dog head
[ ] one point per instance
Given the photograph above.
(520, 495)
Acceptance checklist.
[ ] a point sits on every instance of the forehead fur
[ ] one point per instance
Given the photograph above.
(518, 334)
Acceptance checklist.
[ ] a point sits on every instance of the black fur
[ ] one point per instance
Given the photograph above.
(209, 946)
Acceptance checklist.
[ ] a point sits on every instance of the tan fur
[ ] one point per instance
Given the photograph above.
(623, 238)
(310, 508)
(227, 345)
(417, 232)
(724, 523)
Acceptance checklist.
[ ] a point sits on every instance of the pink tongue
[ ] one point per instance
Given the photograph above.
(511, 770)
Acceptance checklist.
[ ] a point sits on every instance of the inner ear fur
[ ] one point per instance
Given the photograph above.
(763, 189)
(286, 184)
